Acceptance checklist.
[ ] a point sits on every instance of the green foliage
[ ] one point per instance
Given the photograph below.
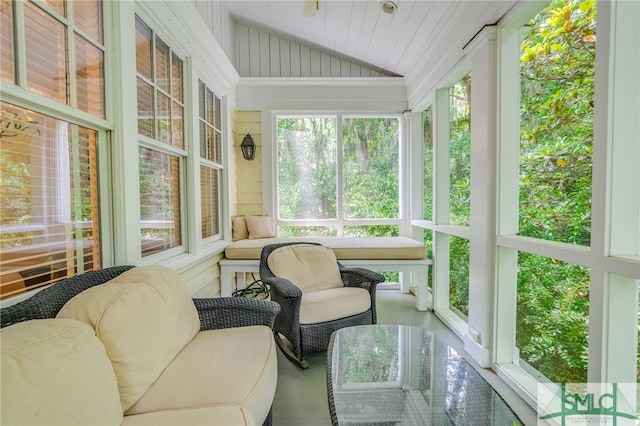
(557, 95)
(459, 275)
(557, 75)
(553, 313)
(460, 152)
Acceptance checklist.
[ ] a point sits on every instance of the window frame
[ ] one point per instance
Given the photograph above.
(19, 95)
(270, 167)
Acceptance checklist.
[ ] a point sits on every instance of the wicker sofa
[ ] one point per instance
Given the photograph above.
(129, 346)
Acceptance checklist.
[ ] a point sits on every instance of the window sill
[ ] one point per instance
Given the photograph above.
(187, 261)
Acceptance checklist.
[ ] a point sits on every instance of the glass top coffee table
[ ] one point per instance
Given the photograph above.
(402, 375)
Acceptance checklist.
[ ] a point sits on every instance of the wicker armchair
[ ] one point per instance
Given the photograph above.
(302, 320)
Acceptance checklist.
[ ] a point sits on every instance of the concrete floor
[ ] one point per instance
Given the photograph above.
(301, 395)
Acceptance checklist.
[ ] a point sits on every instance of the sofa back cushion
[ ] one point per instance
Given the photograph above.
(56, 372)
(144, 317)
(310, 267)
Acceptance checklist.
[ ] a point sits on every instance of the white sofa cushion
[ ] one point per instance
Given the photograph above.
(233, 366)
(223, 415)
(310, 267)
(144, 317)
(331, 304)
(56, 372)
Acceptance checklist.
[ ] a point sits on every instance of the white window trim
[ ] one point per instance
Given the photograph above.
(269, 167)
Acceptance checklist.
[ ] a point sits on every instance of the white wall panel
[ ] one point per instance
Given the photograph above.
(285, 59)
(264, 54)
(260, 54)
(274, 56)
(254, 46)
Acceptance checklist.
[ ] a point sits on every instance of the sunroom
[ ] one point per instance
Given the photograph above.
(501, 134)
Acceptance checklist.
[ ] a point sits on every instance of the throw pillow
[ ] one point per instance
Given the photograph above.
(259, 227)
(239, 229)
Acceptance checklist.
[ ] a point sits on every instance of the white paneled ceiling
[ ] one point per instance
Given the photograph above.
(359, 30)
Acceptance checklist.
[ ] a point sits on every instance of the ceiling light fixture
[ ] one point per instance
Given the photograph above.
(388, 6)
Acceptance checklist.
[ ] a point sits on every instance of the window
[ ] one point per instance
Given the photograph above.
(557, 70)
(210, 119)
(460, 151)
(162, 143)
(49, 222)
(49, 225)
(338, 175)
(57, 37)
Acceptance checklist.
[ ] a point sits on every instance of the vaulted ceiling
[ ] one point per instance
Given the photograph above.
(358, 30)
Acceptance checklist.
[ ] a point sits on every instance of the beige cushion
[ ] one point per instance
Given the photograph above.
(346, 248)
(56, 372)
(239, 229)
(259, 227)
(233, 366)
(328, 305)
(309, 267)
(144, 317)
(223, 415)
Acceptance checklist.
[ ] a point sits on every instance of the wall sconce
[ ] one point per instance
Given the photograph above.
(248, 148)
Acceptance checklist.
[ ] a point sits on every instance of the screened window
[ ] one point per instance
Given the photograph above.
(460, 150)
(557, 69)
(49, 224)
(161, 130)
(210, 119)
(64, 52)
(338, 180)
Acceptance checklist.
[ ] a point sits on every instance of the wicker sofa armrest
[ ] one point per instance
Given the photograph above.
(47, 302)
(359, 277)
(227, 312)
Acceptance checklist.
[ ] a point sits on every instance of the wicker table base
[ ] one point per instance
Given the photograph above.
(401, 375)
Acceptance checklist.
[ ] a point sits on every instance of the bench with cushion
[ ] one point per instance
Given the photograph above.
(397, 254)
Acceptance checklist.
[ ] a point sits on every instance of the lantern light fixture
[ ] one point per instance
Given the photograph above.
(248, 147)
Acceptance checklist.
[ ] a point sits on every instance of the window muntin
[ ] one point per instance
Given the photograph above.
(459, 276)
(427, 163)
(332, 182)
(7, 40)
(552, 324)
(161, 152)
(210, 159)
(460, 151)
(159, 200)
(61, 60)
(45, 54)
(371, 167)
(556, 126)
(49, 225)
(307, 168)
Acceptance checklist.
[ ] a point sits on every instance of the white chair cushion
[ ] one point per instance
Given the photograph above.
(56, 372)
(309, 267)
(331, 304)
(144, 317)
(232, 366)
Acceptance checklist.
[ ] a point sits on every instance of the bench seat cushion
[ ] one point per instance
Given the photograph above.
(347, 248)
(231, 366)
